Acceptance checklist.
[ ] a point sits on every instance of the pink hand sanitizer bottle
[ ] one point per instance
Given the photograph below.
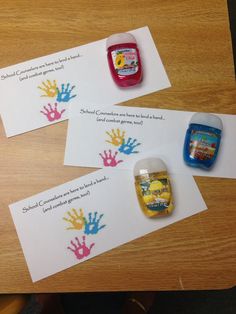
(124, 59)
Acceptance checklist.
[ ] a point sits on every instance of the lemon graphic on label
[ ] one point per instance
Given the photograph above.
(156, 185)
(149, 198)
(165, 196)
(120, 61)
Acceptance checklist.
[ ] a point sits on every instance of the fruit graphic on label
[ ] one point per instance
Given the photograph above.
(120, 61)
(149, 198)
(156, 186)
(165, 196)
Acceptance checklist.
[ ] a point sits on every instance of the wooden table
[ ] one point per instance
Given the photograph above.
(193, 39)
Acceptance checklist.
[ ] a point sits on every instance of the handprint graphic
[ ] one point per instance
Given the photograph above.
(49, 88)
(52, 113)
(80, 250)
(129, 146)
(64, 93)
(109, 160)
(92, 224)
(61, 95)
(116, 137)
(75, 220)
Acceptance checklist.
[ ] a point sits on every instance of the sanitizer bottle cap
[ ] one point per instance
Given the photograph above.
(149, 165)
(207, 119)
(121, 38)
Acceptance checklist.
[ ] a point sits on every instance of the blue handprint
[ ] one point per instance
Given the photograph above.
(92, 224)
(128, 148)
(64, 95)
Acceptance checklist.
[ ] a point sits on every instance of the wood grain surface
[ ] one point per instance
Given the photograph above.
(193, 40)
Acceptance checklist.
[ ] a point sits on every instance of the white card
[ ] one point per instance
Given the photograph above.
(47, 222)
(92, 143)
(30, 90)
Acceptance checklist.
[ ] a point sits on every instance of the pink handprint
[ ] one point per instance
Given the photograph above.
(52, 113)
(109, 160)
(80, 250)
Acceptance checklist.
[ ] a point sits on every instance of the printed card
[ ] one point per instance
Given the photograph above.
(126, 134)
(83, 218)
(39, 92)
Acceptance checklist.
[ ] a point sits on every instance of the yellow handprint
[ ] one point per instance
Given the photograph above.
(75, 219)
(50, 89)
(116, 137)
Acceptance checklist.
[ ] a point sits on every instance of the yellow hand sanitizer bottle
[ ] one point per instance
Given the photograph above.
(153, 188)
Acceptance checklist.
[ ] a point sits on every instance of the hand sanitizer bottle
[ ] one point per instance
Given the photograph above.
(202, 140)
(153, 187)
(124, 59)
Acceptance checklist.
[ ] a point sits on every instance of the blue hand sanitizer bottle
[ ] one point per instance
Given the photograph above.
(202, 140)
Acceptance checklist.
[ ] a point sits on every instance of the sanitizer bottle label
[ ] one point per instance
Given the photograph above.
(125, 61)
(202, 145)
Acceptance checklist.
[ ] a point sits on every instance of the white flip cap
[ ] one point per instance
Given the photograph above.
(207, 119)
(121, 38)
(149, 165)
